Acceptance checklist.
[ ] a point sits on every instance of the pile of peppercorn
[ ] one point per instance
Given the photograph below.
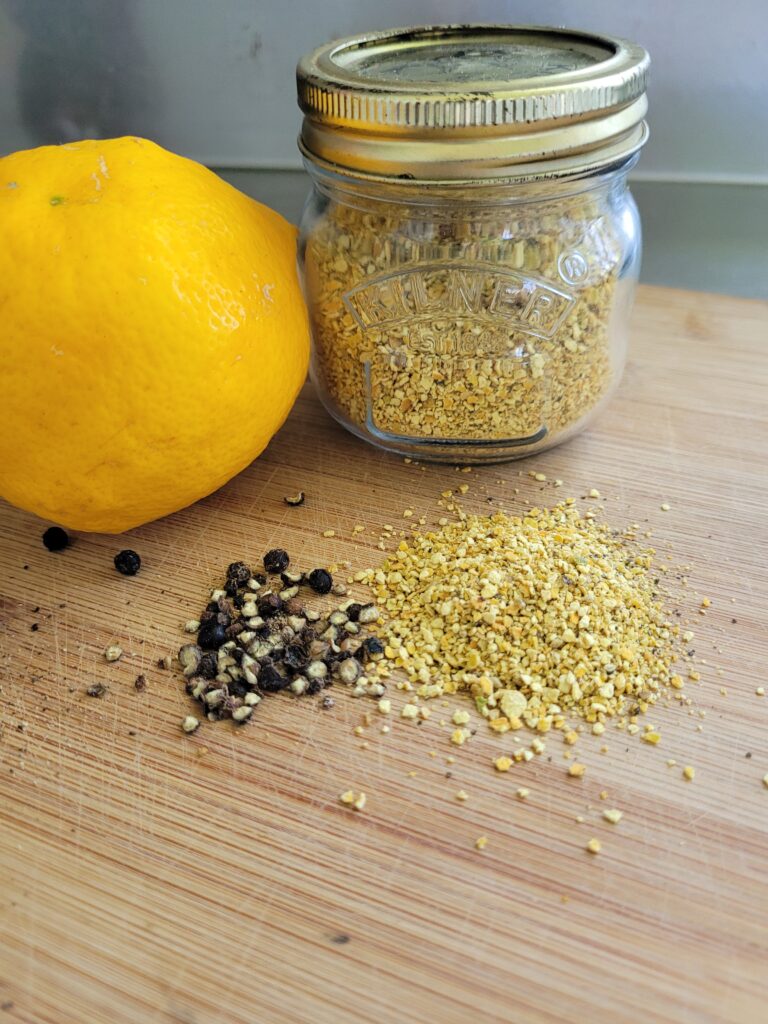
(256, 637)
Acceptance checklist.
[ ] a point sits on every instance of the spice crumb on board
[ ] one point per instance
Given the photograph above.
(113, 653)
(689, 773)
(354, 800)
(594, 846)
(481, 842)
(613, 815)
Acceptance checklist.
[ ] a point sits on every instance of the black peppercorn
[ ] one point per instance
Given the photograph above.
(208, 666)
(211, 635)
(270, 605)
(238, 573)
(371, 647)
(321, 581)
(127, 562)
(55, 539)
(353, 612)
(295, 657)
(271, 681)
(276, 560)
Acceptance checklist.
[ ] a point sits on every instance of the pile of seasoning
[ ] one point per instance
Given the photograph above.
(257, 637)
(537, 618)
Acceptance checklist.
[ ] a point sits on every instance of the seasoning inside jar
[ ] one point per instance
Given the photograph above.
(470, 247)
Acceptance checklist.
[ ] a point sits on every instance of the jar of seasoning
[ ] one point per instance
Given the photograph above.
(469, 246)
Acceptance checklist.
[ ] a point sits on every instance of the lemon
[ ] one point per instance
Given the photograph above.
(153, 335)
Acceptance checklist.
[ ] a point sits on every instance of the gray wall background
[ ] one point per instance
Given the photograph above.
(213, 79)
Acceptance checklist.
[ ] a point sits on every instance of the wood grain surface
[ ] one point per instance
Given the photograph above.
(147, 877)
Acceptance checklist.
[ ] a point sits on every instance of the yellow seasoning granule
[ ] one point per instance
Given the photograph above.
(535, 618)
(481, 842)
(577, 770)
(594, 846)
(689, 773)
(503, 764)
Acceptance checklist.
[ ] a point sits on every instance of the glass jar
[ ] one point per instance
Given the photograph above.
(470, 247)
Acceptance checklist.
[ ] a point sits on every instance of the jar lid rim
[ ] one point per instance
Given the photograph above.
(468, 77)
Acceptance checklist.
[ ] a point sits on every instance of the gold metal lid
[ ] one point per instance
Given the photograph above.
(466, 102)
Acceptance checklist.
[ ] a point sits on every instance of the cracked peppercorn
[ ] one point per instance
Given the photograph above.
(211, 635)
(320, 580)
(56, 539)
(127, 562)
(276, 560)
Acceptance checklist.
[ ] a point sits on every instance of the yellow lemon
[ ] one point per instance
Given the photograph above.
(153, 335)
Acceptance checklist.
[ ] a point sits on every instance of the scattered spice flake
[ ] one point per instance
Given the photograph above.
(113, 653)
(594, 846)
(294, 500)
(503, 764)
(329, 533)
(613, 815)
(760, 691)
(523, 793)
(459, 737)
(96, 690)
(409, 711)
(481, 842)
(689, 773)
(461, 795)
(594, 493)
(190, 724)
(576, 770)
(765, 781)
(384, 706)
(140, 683)
(651, 737)
(460, 717)
(354, 800)
(665, 507)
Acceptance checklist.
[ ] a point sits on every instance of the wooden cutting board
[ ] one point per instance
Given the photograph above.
(149, 877)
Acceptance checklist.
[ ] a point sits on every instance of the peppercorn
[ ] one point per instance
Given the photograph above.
(371, 648)
(295, 657)
(238, 573)
(211, 635)
(56, 539)
(320, 580)
(276, 561)
(272, 681)
(208, 666)
(127, 562)
(353, 611)
(270, 605)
